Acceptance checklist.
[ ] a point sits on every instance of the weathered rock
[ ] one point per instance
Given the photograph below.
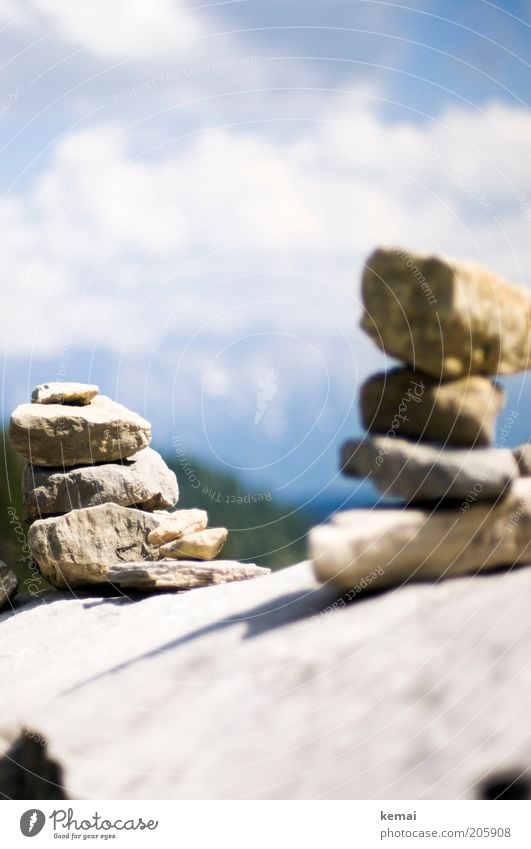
(419, 471)
(60, 435)
(174, 525)
(8, 585)
(445, 318)
(460, 412)
(76, 549)
(144, 479)
(26, 771)
(204, 545)
(277, 688)
(77, 394)
(392, 546)
(181, 575)
(522, 455)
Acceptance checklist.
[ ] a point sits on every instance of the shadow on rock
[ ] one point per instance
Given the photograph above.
(288, 609)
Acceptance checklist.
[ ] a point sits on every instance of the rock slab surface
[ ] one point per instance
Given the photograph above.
(418, 471)
(60, 435)
(279, 688)
(445, 318)
(183, 574)
(144, 479)
(457, 412)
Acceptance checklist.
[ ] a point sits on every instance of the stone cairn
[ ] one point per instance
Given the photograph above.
(101, 502)
(431, 423)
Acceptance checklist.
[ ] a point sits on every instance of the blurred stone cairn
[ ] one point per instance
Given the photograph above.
(101, 503)
(466, 504)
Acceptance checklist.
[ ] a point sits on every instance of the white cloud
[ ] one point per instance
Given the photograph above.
(14, 12)
(122, 29)
(134, 239)
(208, 223)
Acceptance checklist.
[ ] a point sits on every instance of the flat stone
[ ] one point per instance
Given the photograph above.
(144, 480)
(522, 455)
(181, 575)
(459, 412)
(59, 435)
(76, 549)
(276, 688)
(419, 471)
(8, 585)
(204, 545)
(445, 318)
(78, 394)
(383, 547)
(176, 524)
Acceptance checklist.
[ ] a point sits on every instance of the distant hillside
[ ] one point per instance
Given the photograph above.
(261, 529)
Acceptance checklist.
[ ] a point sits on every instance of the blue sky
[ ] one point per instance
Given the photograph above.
(188, 192)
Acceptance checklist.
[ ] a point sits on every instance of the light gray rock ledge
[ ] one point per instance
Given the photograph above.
(418, 471)
(277, 688)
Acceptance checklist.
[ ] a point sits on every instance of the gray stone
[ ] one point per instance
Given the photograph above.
(60, 435)
(204, 545)
(78, 394)
(445, 318)
(8, 585)
(458, 412)
(176, 524)
(522, 455)
(144, 480)
(387, 546)
(76, 549)
(277, 689)
(419, 471)
(181, 575)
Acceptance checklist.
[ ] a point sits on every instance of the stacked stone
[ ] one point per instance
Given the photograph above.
(8, 586)
(431, 425)
(101, 502)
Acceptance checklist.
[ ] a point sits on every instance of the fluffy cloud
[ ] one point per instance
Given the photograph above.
(136, 235)
(157, 217)
(179, 223)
